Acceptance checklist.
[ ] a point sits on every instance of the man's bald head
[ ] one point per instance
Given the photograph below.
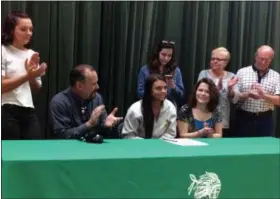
(266, 50)
(264, 56)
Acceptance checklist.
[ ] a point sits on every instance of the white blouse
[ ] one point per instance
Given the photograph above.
(13, 65)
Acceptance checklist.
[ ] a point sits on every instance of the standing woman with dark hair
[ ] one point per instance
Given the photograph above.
(154, 116)
(20, 73)
(201, 117)
(163, 62)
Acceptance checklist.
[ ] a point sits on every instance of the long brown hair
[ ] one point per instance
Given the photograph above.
(154, 62)
(147, 100)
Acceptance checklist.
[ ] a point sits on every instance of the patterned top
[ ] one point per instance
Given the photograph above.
(186, 115)
(224, 101)
(270, 83)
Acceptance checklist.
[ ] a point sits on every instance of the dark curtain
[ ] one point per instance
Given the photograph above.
(117, 39)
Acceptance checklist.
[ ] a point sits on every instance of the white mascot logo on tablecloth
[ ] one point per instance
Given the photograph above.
(207, 186)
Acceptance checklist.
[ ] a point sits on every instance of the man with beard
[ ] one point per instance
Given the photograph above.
(79, 111)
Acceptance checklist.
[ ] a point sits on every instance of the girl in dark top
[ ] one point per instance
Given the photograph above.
(201, 118)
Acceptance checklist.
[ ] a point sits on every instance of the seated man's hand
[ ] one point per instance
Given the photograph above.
(95, 114)
(112, 120)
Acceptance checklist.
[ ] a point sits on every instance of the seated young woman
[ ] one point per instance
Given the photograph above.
(154, 116)
(200, 118)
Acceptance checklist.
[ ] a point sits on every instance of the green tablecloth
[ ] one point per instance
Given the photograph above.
(246, 168)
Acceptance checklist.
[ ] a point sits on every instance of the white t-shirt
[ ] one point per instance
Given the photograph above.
(13, 65)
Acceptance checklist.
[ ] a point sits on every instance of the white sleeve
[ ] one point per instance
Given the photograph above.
(171, 131)
(131, 125)
(277, 92)
(3, 61)
(236, 88)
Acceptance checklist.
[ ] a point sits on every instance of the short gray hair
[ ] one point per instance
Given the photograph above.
(222, 49)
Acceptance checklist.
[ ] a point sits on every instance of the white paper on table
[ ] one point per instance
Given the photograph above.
(185, 142)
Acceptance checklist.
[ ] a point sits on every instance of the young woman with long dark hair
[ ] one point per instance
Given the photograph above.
(154, 116)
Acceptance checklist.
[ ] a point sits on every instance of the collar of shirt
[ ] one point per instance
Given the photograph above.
(79, 101)
(258, 71)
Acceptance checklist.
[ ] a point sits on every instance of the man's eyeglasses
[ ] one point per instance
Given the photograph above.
(265, 59)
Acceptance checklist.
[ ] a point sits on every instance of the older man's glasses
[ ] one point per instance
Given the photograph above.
(264, 59)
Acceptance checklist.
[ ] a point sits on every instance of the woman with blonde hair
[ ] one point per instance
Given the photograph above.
(224, 80)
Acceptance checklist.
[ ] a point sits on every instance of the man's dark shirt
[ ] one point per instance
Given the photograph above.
(69, 113)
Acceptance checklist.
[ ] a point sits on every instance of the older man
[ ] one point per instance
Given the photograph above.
(259, 88)
(78, 111)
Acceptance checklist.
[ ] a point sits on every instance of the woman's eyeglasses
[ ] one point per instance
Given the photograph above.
(218, 59)
(168, 42)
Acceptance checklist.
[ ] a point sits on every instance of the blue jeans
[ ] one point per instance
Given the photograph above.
(251, 125)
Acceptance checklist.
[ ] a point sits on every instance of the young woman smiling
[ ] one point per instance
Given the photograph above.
(21, 73)
(201, 118)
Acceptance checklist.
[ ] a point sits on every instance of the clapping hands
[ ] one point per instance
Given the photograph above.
(112, 120)
(33, 68)
(206, 131)
(256, 91)
(232, 82)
